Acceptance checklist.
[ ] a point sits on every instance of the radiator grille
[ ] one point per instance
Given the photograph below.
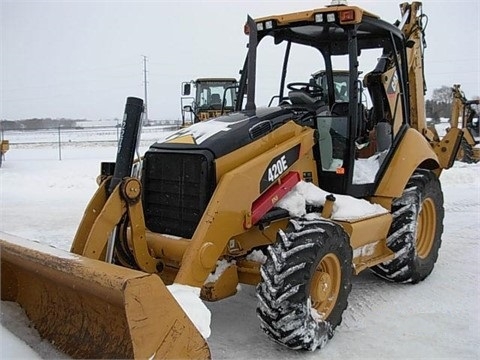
(177, 187)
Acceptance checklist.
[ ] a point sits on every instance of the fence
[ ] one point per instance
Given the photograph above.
(94, 136)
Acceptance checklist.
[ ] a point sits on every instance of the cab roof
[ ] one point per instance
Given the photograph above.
(323, 27)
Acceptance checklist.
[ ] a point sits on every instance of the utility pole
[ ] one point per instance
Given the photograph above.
(145, 119)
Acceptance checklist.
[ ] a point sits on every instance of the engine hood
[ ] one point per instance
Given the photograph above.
(227, 133)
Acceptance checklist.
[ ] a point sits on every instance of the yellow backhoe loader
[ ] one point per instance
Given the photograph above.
(212, 204)
(464, 116)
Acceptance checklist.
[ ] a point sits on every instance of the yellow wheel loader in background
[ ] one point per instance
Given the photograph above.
(293, 198)
(209, 98)
(4, 146)
(468, 152)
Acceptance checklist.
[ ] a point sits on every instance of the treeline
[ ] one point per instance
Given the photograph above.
(440, 106)
(37, 124)
(436, 110)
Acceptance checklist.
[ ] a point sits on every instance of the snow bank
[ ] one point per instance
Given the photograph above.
(345, 208)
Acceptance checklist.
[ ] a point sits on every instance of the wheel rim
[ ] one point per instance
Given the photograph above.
(427, 222)
(325, 285)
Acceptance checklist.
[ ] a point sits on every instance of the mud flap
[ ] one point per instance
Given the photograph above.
(91, 309)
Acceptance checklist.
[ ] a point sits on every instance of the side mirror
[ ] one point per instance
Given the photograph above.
(187, 108)
(186, 88)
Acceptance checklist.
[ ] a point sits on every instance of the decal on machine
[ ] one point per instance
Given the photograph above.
(199, 132)
(278, 166)
(392, 87)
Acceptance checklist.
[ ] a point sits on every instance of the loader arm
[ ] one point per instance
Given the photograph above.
(104, 214)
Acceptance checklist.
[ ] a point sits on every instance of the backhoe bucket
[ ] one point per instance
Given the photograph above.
(91, 309)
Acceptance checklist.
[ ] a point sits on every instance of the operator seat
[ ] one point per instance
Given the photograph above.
(302, 98)
(340, 108)
(216, 101)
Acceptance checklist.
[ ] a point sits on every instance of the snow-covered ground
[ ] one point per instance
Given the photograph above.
(43, 198)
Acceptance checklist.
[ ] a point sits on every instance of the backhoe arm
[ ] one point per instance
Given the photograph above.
(413, 28)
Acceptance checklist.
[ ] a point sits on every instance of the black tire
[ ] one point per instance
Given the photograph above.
(309, 257)
(417, 227)
(465, 152)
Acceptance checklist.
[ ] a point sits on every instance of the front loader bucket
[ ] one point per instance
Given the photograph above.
(91, 309)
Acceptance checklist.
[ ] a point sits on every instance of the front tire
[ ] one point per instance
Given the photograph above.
(305, 284)
(417, 227)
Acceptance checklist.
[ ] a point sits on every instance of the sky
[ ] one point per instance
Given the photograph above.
(82, 59)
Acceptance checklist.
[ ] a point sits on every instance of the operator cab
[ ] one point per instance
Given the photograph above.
(357, 117)
(206, 98)
(211, 94)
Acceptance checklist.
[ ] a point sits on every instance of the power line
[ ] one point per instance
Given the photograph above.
(145, 88)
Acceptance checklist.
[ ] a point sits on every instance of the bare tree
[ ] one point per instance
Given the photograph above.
(442, 95)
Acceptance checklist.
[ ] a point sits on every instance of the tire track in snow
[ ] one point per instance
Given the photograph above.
(461, 207)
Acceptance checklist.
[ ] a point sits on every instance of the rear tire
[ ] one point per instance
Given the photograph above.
(465, 152)
(417, 227)
(305, 284)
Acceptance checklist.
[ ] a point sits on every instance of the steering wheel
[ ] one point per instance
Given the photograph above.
(311, 89)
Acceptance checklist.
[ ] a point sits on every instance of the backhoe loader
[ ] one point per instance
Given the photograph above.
(283, 197)
(462, 108)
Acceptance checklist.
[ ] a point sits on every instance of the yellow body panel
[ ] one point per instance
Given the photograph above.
(224, 286)
(368, 241)
(412, 151)
(238, 157)
(222, 219)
